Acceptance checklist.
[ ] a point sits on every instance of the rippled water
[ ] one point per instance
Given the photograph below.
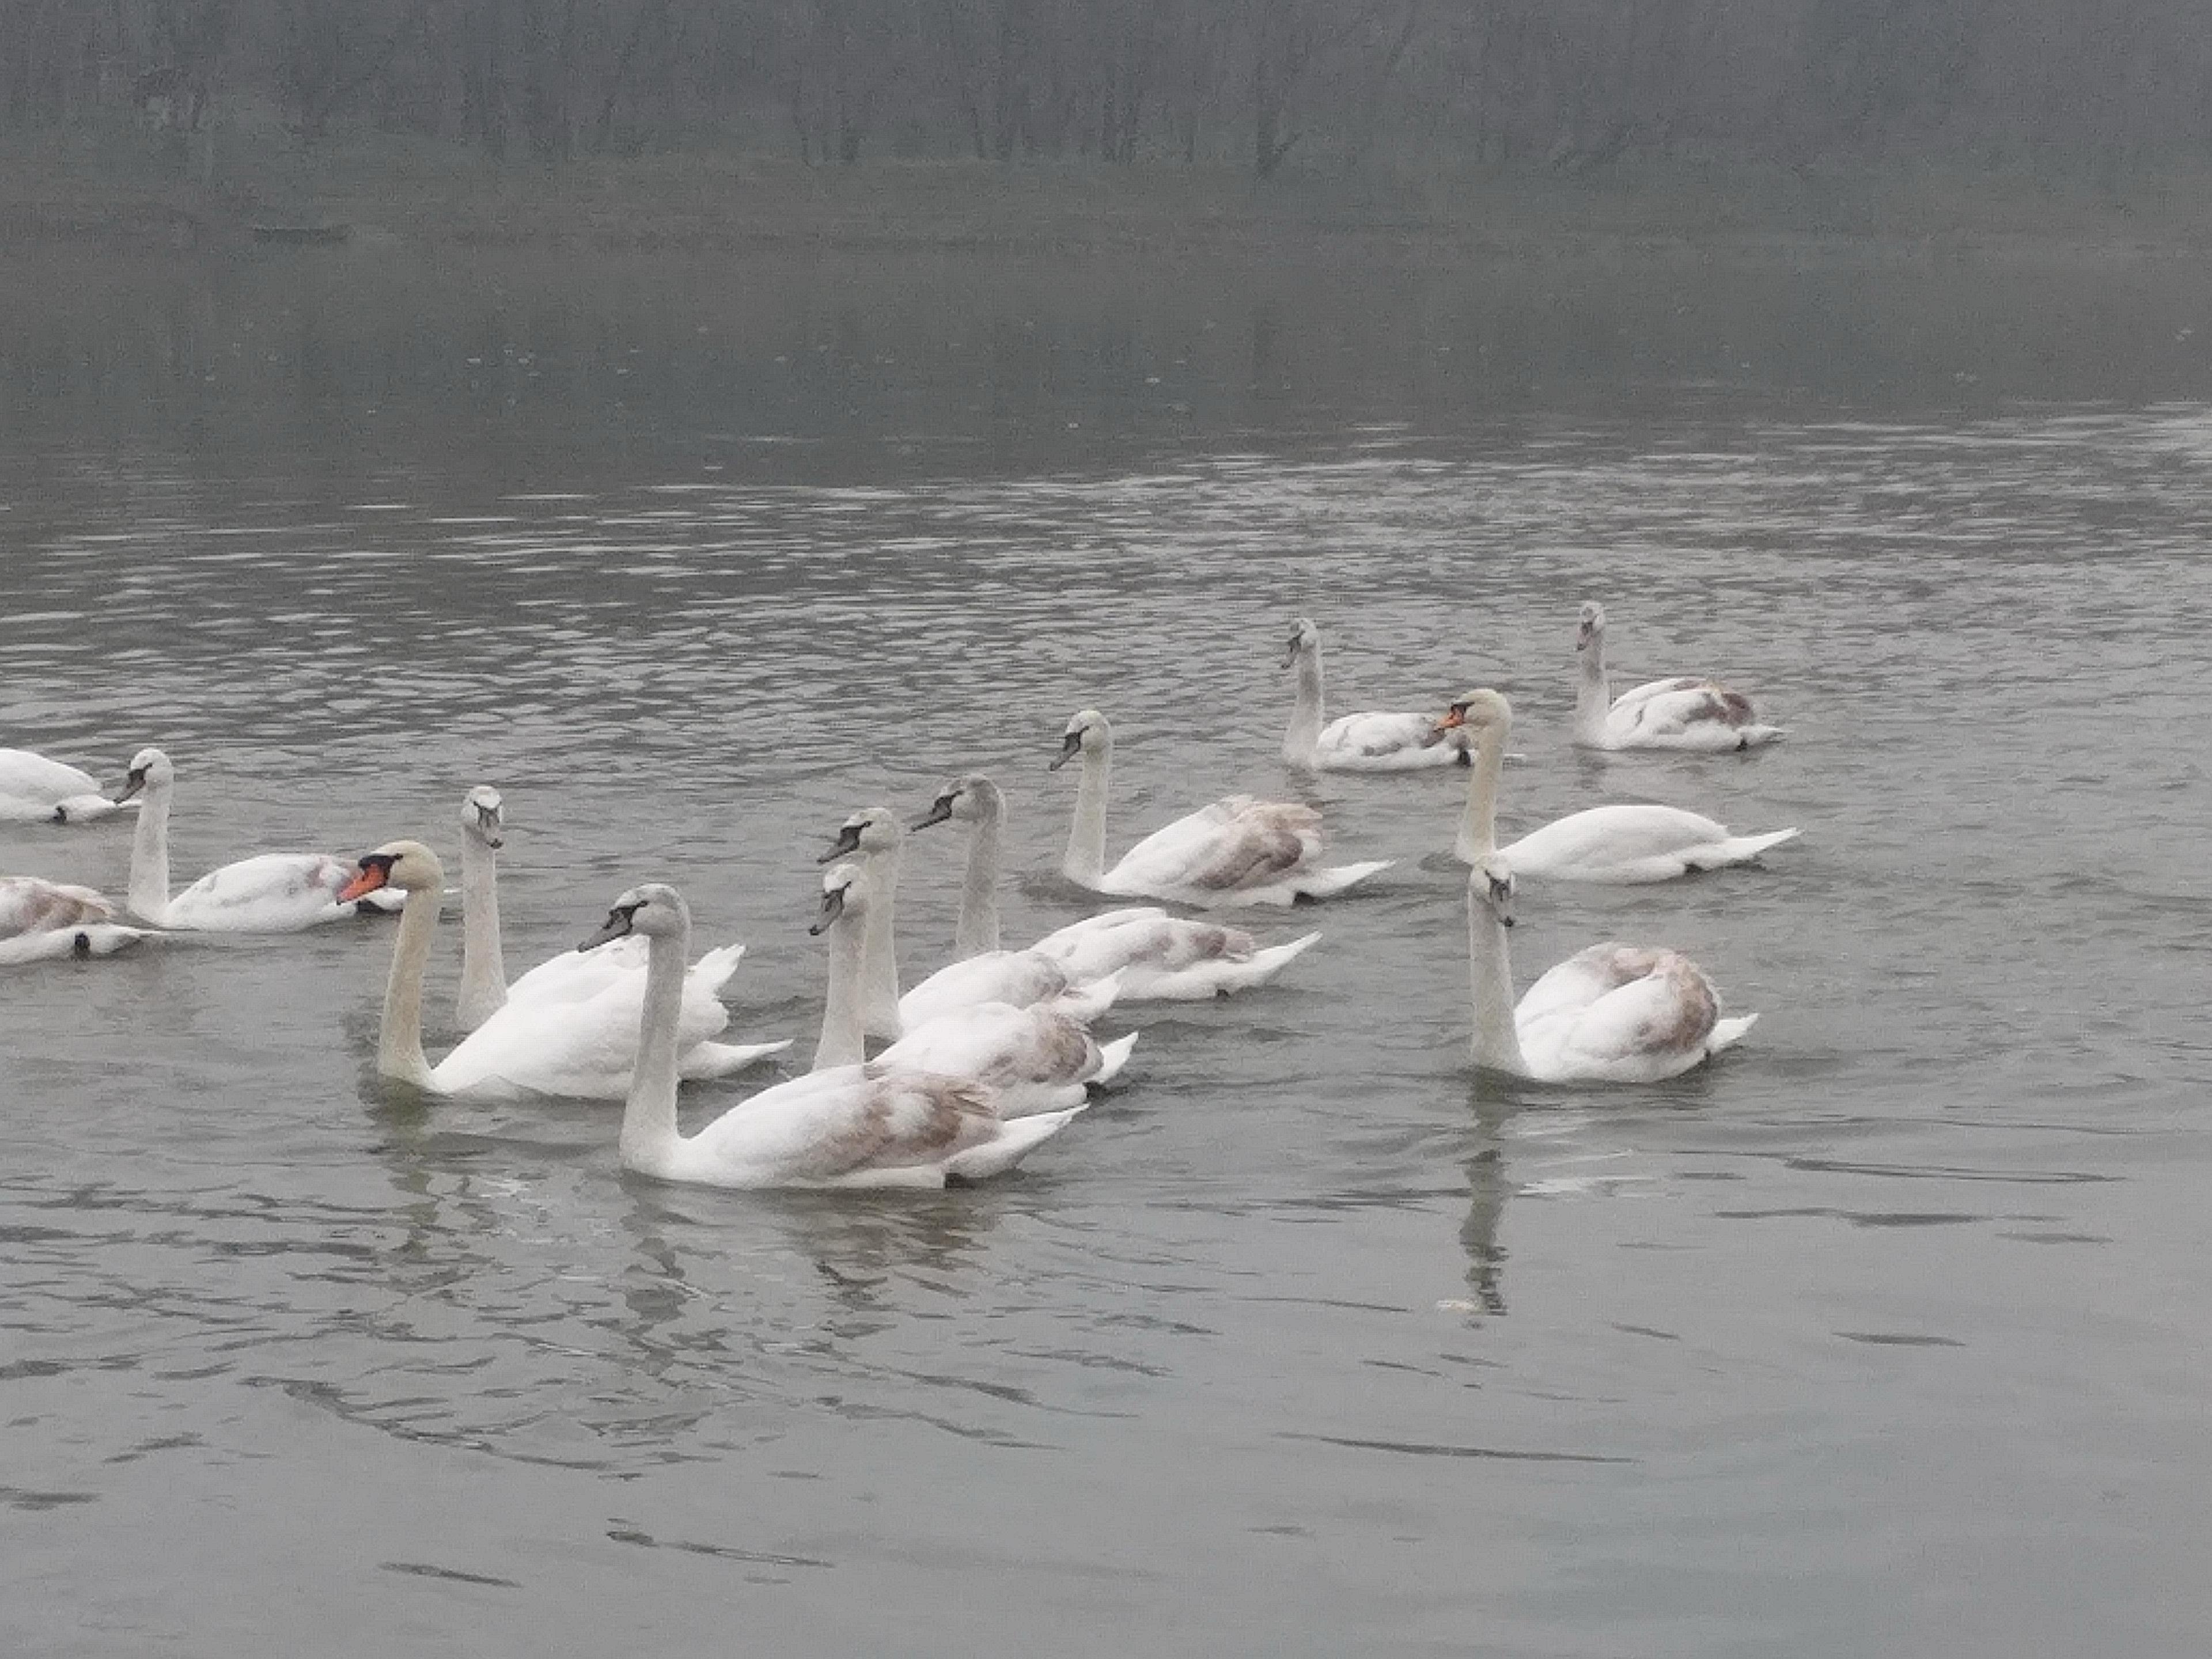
(1885, 1335)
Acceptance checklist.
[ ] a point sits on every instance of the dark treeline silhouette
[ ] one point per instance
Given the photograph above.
(1570, 85)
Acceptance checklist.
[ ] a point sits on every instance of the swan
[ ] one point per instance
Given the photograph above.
(1037, 1059)
(1159, 957)
(1684, 713)
(42, 920)
(272, 893)
(1238, 850)
(570, 976)
(585, 1046)
(36, 790)
(1613, 1013)
(1353, 743)
(851, 1126)
(1020, 978)
(1620, 843)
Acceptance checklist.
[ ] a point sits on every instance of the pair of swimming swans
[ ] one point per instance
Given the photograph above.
(570, 1028)
(1238, 850)
(36, 790)
(846, 1126)
(1625, 842)
(43, 920)
(1158, 958)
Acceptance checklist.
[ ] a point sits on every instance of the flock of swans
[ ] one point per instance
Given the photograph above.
(994, 1054)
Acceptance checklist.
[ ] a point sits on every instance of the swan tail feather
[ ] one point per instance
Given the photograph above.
(1112, 1057)
(1741, 849)
(1323, 883)
(705, 1059)
(1086, 1003)
(1728, 1033)
(1016, 1140)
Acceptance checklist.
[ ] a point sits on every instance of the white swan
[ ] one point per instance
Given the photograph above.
(585, 1046)
(41, 921)
(1238, 850)
(1159, 957)
(1621, 843)
(1684, 713)
(1022, 978)
(1613, 1014)
(1354, 743)
(36, 790)
(1037, 1059)
(273, 893)
(852, 1126)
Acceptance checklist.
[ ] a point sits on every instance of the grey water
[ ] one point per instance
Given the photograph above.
(1887, 1334)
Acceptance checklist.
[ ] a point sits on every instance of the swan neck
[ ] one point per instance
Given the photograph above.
(399, 1045)
(1302, 743)
(1591, 702)
(844, 1028)
(978, 930)
(1496, 1040)
(1478, 825)
(881, 1017)
(483, 960)
(1086, 838)
(648, 1125)
(149, 856)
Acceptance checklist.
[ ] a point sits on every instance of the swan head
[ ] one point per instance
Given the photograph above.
(971, 799)
(1088, 735)
(655, 909)
(1589, 627)
(481, 821)
(1489, 884)
(407, 865)
(1304, 636)
(871, 830)
(844, 894)
(150, 769)
(1475, 713)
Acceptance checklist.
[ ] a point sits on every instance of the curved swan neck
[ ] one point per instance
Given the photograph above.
(1592, 703)
(149, 856)
(484, 961)
(1497, 1040)
(1478, 825)
(648, 1125)
(1086, 837)
(881, 1017)
(399, 1044)
(844, 1028)
(1302, 743)
(978, 930)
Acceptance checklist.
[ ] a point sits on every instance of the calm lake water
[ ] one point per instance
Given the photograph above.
(1886, 1335)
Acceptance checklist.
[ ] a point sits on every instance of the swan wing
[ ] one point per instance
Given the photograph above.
(1029, 1055)
(1256, 845)
(1383, 742)
(1653, 1016)
(583, 1047)
(1651, 689)
(31, 905)
(1689, 708)
(1607, 837)
(1017, 977)
(1147, 942)
(274, 892)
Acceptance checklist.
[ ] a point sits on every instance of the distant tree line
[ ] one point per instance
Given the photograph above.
(1568, 84)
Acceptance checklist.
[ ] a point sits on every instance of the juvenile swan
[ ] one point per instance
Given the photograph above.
(851, 1126)
(1613, 1014)
(1238, 850)
(1354, 743)
(1620, 843)
(1684, 713)
(43, 920)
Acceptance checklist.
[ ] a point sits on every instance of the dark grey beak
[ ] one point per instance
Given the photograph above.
(848, 842)
(618, 927)
(1292, 654)
(939, 811)
(833, 906)
(1070, 747)
(132, 784)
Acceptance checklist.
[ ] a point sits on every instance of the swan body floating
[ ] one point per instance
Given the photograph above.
(1037, 1059)
(1635, 842)
(1354, 743)
(1686, 712)
(36, 790)
(1020, 978)
(42, 921)
(1236, 851)
(1157, 956)
(272, 893)
(1613, 1013)
(850, 1126)
(585, 1046)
